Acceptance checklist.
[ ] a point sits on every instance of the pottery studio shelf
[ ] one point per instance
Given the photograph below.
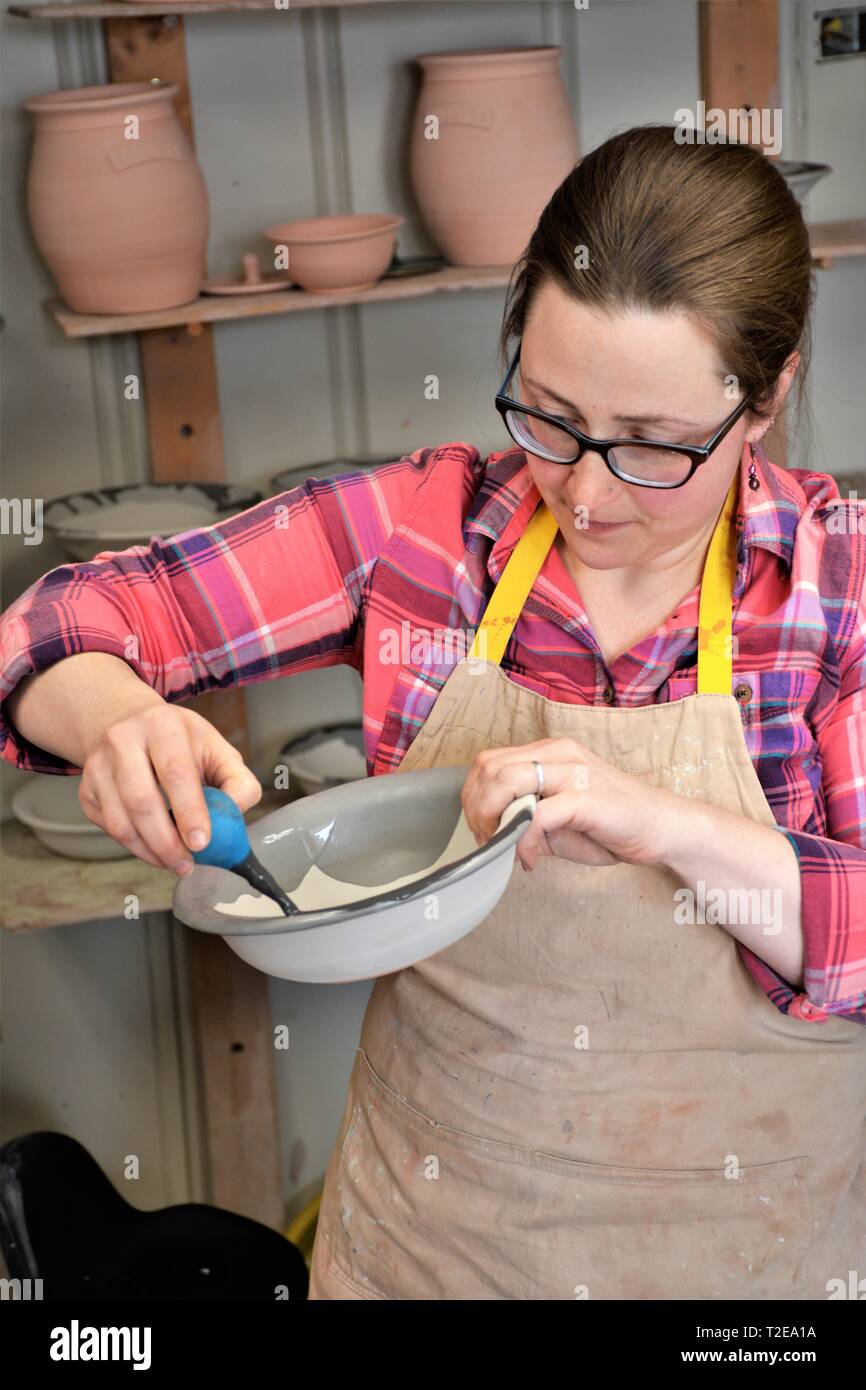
(832, 240)
(219, 308)
(41, 889)
(829, 240)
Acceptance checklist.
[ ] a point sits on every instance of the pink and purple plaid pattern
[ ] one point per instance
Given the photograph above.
(390, 572)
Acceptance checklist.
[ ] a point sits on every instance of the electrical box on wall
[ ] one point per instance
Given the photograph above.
(840, 34)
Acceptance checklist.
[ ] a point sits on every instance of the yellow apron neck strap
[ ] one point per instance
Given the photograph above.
(715, 655)
(512, 591)
(715, 614)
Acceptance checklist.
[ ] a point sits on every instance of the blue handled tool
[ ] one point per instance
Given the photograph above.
(229, 848)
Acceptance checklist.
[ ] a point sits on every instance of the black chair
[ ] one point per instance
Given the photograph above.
(63, 1222)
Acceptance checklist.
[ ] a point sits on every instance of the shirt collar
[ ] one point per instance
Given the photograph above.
(767, 516)
(504, 505)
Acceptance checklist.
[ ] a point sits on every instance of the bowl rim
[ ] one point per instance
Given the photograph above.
(464, 57)
(30, 818)
(363, 463)
(389, 222)
(100, 501)
(798, 168)
(100, 96)
(294, 747)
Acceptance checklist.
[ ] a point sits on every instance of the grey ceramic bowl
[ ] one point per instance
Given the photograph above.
(49, 805)
(88, 522)
(801, 176)
(325, 757)
(366, 833)
(288, 478)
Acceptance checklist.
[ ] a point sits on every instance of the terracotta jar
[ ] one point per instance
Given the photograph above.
(118, 206)
(502, 140)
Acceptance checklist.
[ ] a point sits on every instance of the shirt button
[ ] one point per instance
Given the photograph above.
(608, 694)
(743, 693)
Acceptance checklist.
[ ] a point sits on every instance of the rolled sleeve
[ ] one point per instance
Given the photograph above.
(833, 915)
(832, 874)
(274, 590)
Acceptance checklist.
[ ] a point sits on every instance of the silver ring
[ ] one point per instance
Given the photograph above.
(539, 772)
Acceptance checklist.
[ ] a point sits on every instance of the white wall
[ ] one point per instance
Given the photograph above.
(825, 113)
(297, 114)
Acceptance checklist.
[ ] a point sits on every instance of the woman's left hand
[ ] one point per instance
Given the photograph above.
(590, 811)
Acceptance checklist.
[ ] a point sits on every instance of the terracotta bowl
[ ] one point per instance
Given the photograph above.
(348, 252)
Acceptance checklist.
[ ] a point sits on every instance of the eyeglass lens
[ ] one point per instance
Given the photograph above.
(548, 441)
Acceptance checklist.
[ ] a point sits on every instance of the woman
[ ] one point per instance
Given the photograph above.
(644, 1075)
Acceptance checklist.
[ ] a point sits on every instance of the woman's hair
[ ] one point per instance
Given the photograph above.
(711, 230)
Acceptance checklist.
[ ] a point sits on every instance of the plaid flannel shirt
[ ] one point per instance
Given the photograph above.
(331, 571)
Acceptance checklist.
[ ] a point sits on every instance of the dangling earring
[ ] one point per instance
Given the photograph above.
(754, 480)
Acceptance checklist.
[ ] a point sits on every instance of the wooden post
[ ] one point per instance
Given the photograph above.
(739, 42)
(739, 54)
(180, 384)
(230, 1000)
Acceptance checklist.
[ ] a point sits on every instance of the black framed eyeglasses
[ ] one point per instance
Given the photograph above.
(643, 462)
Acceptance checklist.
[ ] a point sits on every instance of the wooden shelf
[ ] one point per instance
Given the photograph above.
(831, 239)
(91, 9)
(41, 889)
(212, 308)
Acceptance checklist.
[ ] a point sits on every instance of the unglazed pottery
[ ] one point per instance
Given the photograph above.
(288, 478)
(49, 805)
(117, 202)
(385, 872)
(114, 518)
(492, 138)
(348, 252)
(325, 757)
(251, 280)
(801, 176)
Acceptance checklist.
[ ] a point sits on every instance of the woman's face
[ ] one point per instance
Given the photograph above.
(627, 374)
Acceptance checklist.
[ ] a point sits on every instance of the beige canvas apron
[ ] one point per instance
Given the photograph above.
(585, 1097)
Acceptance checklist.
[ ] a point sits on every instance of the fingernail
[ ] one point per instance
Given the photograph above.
(197, 839)
(184, 866)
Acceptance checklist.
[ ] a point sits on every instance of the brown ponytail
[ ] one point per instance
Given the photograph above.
(708, 229)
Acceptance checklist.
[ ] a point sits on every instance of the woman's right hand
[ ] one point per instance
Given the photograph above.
(93, 711)
(161, 746)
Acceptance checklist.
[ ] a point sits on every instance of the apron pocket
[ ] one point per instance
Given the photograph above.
(421, 1211)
